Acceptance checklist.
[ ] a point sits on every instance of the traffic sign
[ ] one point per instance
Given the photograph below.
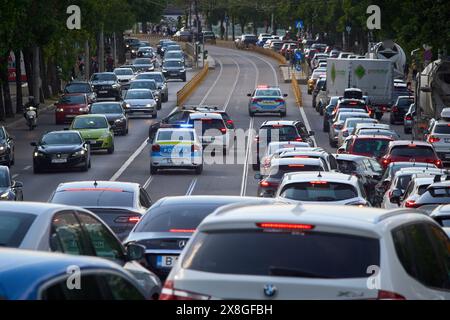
(298, 67)
(348, 28)
(298, 56)
(299, 24)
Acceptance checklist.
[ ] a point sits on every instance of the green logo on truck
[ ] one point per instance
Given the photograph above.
(333, 72)
(360, 71)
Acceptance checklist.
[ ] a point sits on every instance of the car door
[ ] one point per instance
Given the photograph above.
(144, 199)
(67, 236)
(119, 288)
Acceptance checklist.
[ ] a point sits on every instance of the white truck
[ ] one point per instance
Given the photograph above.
(374, 77)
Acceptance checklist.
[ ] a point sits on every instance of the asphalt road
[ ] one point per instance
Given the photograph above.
(236, 74)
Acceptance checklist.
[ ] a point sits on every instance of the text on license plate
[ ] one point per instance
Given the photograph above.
(447, 140)
(103, 91)
(59, 160)
(166, 261)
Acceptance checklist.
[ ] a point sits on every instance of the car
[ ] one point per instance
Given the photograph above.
(47, 277)
(267, 99)
(442, 216)
(436, 194)
(212, 130)
(438, 135)
(74, 231)
(334, 53)
(415, 189)
(115, 115)
(164, 45)
(69, 106)
(184, 36)
(119, 204)
(176, 148)
(132, 45)
(161, 43)
(61, 150)
(307, 153)
(400, 90)
(252, 253)
(271, 179)
(338, 121)
(276, 45)
(130, 66)
(329, 188)
(173, 47)
(174, 69)
(276, 148)
(144, 64)
(7, 148)
(151, 85)
(363, 126)
(280, 131)
(160, 81)
(345, 103)
(349, 127)
(106, 85)
(316, 75)
(368, 146)
(401, 180)
(140, 101)
(400, 108)
(229, 123)
(81, 87)
(413, 151)
(175, 55)
(169, 224)
(95, 129)
(10, 190)
(146, 52)
(408, 121)
(391, 134)
(320, 85)
(262, 40)
(328, 112)
(125, 75)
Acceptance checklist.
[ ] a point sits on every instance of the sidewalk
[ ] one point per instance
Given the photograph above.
(48, 106)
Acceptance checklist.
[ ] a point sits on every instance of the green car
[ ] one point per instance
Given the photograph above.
(95, 129)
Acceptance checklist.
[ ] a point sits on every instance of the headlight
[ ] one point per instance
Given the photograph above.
(84, 109)
(2, 148)
(149, 105)
(119, 120)
(128, 105)
(4, 196)
(164, 70)
(37, 154)
(59, 110)
(79, 153)
(105, 135)
(116, 85)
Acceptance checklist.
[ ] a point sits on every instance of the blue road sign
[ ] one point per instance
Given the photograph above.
(298, 67)
(298, 56)
(299, 24)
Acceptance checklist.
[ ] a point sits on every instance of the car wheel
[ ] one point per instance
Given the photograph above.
(251, 114)
(158, 106)
(166, 98)
(199, 169)
(184, 79)
(309, 92)
(85, 167)
(326, 128)
(13, 160)
(407, 131)
(283, 114)
(153, 170)
(321, 111)
(111, 150)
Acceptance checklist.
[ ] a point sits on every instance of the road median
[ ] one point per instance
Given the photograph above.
(190, 86)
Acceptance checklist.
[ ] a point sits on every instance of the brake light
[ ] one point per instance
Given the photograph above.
(170, 293)
(230, 121)
(284, 226)
(296, 166)
(318, 182)
(279, 100)
(386, 162)
(353, 103)
(337, 126)
(394, 109)
(438, 163)
(267, 184)
(223, 130)
(182, 230)
(408, 118)
(127, 219)
(299, 139)
(433, 139)
(255, 100)
(263, 86)
(156, 148)
(411, 204)
(387, 295)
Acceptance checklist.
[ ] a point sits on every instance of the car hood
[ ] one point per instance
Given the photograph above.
(114, 116)
(103, 82)
(92, 133)
(51, 149)
(140, 102)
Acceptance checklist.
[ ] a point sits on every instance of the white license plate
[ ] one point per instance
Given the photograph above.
(59, 161)
(92, 141)
(166, 261)
(71, 116)
(103, 91)
(447, 140)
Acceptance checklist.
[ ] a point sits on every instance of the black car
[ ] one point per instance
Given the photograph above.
(10, 190)
(169, 224)
(61, 150)
(144, 64)
(119, 204)
(174, 69)
(114, 113)
(148, 84)
(81, 87)
(175, 119)
(328, 113)
(6, 148)
(164, 46)
(106, 85)
(400, 108)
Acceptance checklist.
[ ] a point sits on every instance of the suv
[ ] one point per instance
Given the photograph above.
(400, 108)
(106, 85)
(252, 252)
(412, 151)
(439, 136)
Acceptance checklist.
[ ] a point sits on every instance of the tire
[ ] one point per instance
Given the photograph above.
(321, 111)
(13, 160)
(333, 143)
(378, 115)
(89, 165)
(407, 131)
(166, 98)
(326, 128)
(256, 167)
(153, 170)
(199, 170)
(85, 167)
(111, 150)
(309, 92)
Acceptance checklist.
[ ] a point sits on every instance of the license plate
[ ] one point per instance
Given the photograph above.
(447, 140)
(92, 141)
(447, 156)
(59, 161)
(166, 261)
(103, 91)
(71, 116)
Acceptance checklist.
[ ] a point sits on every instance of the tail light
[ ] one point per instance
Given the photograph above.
(156, 148)
(284, 226)
(127, 219)
(195, 148)
(338, 126)
(411, 204)
(231, 122)
(299, 139)
(267, 184)
(433, 139)
(385, 162)
(409, 118)
(394, 109)
(170, 293)
(387, 295)
(256, 100)
(438, 163)
(223, 130)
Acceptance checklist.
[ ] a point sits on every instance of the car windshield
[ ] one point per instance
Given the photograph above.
(413, 151)
(132, 94)
(276, 254)
(372, 132)
(173, 64)
(268, 93)
(82, 197)
(104, 77)
(319, 191)
(374, 147)
(351, 123)
(175, 136)
(5, 180)
(151, 76)
(442, 129)
(13, 228)
(173, 55)
(142, 61)
(102, 108)
(90, 123)
(277, 172)
(61, 138)
(123, 72)
(73, 100)
(78, 88)
(174, 48)
(143, 85)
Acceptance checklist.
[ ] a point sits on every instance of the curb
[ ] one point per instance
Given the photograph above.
(18, 121)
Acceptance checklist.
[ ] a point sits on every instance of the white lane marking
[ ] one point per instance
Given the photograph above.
(234, 85)
(191, 188)
(277, 83)
(27, 168)
(247, 156)
(129, 161)
(147, 183)
(15, 176)
(214, 84)
(305, 120)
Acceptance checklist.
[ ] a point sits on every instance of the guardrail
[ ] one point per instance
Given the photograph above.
(189, 87)
(297, 91)
(270, 53)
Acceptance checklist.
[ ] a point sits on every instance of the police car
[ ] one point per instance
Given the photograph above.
(176, 148)
(266, 99)
(211, 129)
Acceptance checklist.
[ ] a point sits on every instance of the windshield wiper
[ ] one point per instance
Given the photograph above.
(289, 272)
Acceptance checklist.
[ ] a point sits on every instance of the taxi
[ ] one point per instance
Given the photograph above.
(266, 99)
(176, 148)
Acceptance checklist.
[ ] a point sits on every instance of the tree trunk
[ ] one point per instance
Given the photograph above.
(232, 28)
(19, 97)
(45, 93)
(36, 74)
(5, 84)
(28, 58)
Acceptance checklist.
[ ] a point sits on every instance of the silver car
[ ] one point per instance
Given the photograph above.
(71, 230)
(337, 123)
(160, 81)
(140, 101)
(439, 136)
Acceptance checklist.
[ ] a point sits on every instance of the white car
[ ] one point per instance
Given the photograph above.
(125, 75)
(442, 216)
(293, 252)
(277, 148)
(330, 188)
(416, 188)
(329, 159)
(212, 130)
(176, 149)
(349, 126)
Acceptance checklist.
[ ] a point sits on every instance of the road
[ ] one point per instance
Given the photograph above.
(236, 74)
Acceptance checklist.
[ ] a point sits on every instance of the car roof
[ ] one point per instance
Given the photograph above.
(409, 142)
(35, 208)
(74, 94)
(143, 80)
(440, 184)
(373, 137)
(287, 161)
(77, 82)
(324, 176)
(443, 210)
(281, 122)
(349, 157)
(171, 59)
(107, 102)
(125, 186)
(62, 131)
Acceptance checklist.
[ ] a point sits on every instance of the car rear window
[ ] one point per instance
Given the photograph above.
(72, 100)
(260, 253)
(323, 191)
(282, 133)
(13, 228)
(143, 85)
(277, 172)
(210, 126)
(405, 103)
(175, 136)
(445, 129)
(78, 88)
(416, 151)
(376, 147)
(350, 105)
(82, 197)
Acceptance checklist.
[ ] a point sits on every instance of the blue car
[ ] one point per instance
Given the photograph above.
(33, 275)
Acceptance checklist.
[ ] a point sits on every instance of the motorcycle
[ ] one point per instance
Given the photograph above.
(31, 117)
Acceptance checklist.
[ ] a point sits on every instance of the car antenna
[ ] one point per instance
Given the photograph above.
(95, 184)
(320, 174)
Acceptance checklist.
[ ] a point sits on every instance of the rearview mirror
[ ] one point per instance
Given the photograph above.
(249, 94)
(285, 95)
(135, 251)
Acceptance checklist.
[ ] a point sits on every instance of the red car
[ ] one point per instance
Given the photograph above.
(412, 151)
(69, 106)
(367, 146)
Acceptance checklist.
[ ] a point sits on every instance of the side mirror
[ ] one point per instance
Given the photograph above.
(258, 176)
(249, 94)
(285, 95)
(395, 196)
(33, 144)
(17, 184)
(135, 251)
